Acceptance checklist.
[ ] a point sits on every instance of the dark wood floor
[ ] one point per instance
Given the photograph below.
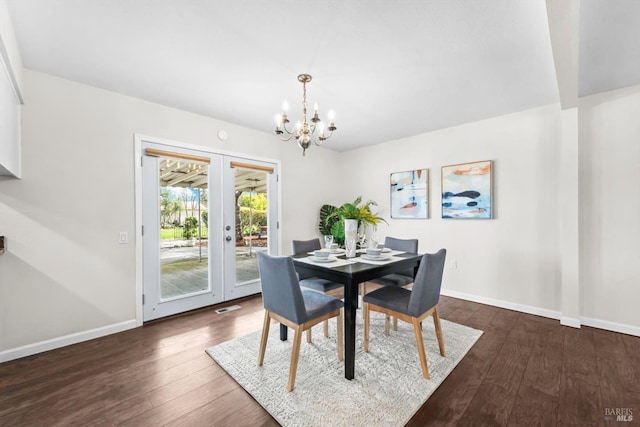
(524, 370)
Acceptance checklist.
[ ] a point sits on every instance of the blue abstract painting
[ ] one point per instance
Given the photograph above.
(466, 190)
(409, 194)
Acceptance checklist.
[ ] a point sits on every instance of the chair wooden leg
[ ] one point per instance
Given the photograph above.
(436, 324)
(295, 353)
(386, 324)
(265, 335)
(366, 327)
(309, 335)
(326, 328)
(339, 337)
(395, 323)
(420, 344)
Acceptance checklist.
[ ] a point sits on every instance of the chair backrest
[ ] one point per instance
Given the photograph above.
(281, 293)
(426, 286)
(405, 245)
(304, 246)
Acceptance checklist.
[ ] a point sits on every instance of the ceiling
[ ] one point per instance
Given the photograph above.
(389, 69)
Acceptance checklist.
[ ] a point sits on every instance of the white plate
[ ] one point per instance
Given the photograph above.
(327, 259)
(375, 258)
(337, 251)
(386, 250)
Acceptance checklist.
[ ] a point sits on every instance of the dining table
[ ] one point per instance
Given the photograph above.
(351, 272)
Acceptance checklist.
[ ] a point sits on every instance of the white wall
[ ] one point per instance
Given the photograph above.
(513, 258)
(64, 272)
(610, 208)
(10, 97)
(10, 157)
(9, 48)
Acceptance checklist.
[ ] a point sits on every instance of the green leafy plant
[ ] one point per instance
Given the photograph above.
(190, 227)
(332, 218)
(325, 225)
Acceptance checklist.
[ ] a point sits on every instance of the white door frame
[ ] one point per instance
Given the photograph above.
(138, 141)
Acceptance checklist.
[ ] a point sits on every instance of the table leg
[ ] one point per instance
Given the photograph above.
(283, 332)
(350, 306)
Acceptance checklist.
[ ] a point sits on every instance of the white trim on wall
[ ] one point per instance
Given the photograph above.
(537, 311)
(39, 347)
(570, 321)
(611, 326)
(565, 321)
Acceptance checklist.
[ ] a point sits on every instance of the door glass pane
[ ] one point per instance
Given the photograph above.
(184, 214)
(251, 222)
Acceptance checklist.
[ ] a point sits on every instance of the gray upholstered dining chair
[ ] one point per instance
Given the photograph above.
(411, 306)
(286, 302)
(402, 278)
(315, 283)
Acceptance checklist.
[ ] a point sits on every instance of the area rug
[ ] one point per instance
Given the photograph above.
(388, 387)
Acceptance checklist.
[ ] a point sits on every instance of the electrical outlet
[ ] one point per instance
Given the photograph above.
(123, 237)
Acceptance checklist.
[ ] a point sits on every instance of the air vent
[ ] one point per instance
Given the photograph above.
(227, 309)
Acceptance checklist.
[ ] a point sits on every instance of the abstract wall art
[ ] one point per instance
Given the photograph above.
(466, 190)
(410, 194)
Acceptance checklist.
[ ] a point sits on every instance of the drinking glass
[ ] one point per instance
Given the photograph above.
(373, 241)
(328, 240)
(362, 238)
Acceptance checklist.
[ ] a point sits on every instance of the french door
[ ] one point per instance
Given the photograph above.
(205, 218)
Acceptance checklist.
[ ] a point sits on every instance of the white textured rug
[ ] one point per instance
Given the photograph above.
(388, 387)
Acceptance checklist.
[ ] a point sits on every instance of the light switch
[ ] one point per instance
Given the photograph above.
(123, 237)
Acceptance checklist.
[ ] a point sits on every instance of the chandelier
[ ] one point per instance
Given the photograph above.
(304, 132)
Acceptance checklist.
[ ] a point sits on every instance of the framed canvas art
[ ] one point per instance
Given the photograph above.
(410, 194)
(466, 190)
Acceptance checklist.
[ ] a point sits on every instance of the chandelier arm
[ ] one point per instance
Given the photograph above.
(284, 127)
(287, 139)
(328, 136)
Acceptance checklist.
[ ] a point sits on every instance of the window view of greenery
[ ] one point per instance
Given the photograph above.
(184, 218)
(252, 214)
(183, 213)
(184, 222)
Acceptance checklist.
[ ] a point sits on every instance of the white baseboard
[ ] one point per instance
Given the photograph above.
(28, 350)
(611, 326)
(566, 321)
(537, 311)
(570, 321)
(39, 347)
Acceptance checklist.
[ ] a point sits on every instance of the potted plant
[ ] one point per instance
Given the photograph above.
(332, 219)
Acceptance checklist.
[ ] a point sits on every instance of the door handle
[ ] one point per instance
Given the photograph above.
(228, 238)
